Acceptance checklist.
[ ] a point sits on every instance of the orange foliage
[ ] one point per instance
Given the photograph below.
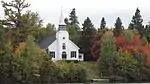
(133, 46)
(19, 48)
(128, 45)
(148, 60)
(146, 51)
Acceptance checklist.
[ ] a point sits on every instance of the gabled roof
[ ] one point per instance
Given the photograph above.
(47, 41)
(74, 44)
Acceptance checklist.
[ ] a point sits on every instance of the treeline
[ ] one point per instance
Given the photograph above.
(21, 59)
(87, 37)
(122, 54)
(124, 58)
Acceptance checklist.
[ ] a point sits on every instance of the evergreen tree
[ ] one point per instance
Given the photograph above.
(108, 53)
(147, 30)
(86, 39)
(66, 21)
(1, 36)
(136, 22)
(144, 40)
(13, 11)
(103, 23)
(27, 60)
(6, 57)
(118, 27)
(20, 24)
(73, 26)
(32, 24)
(73, 18)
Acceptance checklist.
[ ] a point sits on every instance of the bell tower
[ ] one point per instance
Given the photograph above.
(62, 37)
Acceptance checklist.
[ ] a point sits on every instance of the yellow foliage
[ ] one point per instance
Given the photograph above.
(108, 33)
(20, 48)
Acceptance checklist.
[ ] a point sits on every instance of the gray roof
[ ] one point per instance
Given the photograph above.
(47, 41)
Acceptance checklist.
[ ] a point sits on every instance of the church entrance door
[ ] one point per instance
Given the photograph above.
(64, 55)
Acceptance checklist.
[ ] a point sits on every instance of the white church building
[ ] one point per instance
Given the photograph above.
(60, 46)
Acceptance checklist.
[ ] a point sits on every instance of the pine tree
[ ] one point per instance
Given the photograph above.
(31, 26)
(13, 11)
(118, 27)
(136, 22)
(86, 38)
(73, 26)
(147, 30)
(103, 23)
(73, 18)
(66, 21)
(21, 24)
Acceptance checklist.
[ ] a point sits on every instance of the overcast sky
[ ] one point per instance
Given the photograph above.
(49, 10)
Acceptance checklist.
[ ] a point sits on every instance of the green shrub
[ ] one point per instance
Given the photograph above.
(70, 72)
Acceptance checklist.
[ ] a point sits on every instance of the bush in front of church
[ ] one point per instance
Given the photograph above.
(70, 72)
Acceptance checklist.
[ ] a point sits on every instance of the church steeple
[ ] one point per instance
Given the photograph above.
(62, 25)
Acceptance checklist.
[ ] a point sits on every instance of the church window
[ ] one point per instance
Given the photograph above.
(52, 54)
(73, 54)
(63, 46)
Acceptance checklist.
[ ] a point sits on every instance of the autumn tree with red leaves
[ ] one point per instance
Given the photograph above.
(146, 51)
(95, 50)
(128, 45)
(139, 50)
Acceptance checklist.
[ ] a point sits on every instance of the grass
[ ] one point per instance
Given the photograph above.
(91, 69)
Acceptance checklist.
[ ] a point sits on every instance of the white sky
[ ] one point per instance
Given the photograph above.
(49, 10)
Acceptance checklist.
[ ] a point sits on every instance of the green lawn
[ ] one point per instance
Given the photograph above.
(91, 69)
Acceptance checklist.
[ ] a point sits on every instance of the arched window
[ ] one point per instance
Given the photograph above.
(64, 55)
